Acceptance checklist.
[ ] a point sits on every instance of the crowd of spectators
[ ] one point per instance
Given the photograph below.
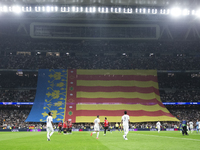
(99, 62)
(29, 44)
(180, 96)
(17, 95)
(15, 118)
(14, 81)
(187, 114)
(185, 81)
(11, 118)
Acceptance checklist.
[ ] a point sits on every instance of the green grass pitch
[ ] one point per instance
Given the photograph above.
(139, 140)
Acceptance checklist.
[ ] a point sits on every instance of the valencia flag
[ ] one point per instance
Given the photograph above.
(108, 93)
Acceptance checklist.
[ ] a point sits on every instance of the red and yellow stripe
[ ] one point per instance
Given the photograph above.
(110, 92)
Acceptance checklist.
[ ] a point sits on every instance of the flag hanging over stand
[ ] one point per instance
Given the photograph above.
(109, 92)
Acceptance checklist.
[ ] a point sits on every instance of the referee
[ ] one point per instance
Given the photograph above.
(184, 127)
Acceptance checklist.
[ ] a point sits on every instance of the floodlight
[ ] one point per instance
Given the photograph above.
(10, 9)
(5, 8)
(111, 9)
(144, 10)
(193, 12)
(73, 9)
(52, 8)
(115, 10)
(94, 9)
(130, 10)
(106, 10)
(43, 8)
(149, 11)
(198, 13)
(186, 12)
(56, 8)
(175, 12)
(102, 9)
(136, 10)
(47, 9)
(119, 9)
(90, 9)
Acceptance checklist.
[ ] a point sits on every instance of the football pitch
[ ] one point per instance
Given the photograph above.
(139, 140)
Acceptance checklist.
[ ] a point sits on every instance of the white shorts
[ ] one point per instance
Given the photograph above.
(158, 128)
(50, 129)
(191, 127)
(126, 128)
(96, 128)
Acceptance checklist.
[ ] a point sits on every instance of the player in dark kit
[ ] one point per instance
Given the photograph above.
(60, 127)
(106, 123)
(70, 127)
(65, 127)
(184, 127)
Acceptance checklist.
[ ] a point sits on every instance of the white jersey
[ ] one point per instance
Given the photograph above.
(49, 120)
(191, 124)
(96, 122)
(125, 119)
(158, 124)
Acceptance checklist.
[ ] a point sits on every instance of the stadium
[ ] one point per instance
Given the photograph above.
(66, 65)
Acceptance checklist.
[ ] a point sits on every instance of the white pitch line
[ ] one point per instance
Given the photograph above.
(169, 137)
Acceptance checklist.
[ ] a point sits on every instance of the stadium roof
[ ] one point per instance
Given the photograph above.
(188, 3)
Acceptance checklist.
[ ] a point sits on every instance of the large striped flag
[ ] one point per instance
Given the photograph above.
(109, 92)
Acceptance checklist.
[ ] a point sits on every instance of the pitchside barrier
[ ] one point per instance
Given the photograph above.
(56, 130)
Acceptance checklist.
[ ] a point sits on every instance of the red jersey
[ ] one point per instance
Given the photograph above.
(70, 125)
(106, 123)
(64, 125)
(60, 124)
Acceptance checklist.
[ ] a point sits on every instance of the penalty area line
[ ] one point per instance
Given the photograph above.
(168, 137)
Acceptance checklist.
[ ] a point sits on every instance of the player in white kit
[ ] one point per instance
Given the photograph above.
(96, 127)
(158, 126)
(50, 129)
(191, 126)
(125, 122)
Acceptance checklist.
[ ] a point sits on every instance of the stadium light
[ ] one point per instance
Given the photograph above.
(10, 9)
(73, 9)
(47, 9)
(94, 9)
(119, 10)
(16, 9)
(111, 9)
(106, 10)
(56, 8)
(140, 10)
(144, 10)
(148, 11)
(186, 12)
(176, 12)
(102, 9)
(136, 10)
(198, 13)
(5, 9)
(193, 12)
